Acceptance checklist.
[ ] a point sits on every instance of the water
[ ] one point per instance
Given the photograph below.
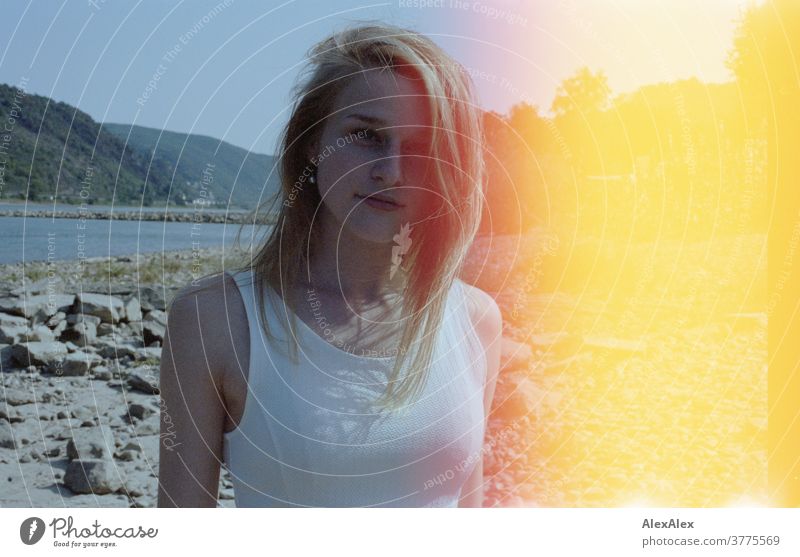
(36, 239)
(32, 207)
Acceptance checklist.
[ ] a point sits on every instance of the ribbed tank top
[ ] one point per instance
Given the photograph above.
(310, 437)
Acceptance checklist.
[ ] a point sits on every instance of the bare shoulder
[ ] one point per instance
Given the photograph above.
(210, 308)
(485, 313)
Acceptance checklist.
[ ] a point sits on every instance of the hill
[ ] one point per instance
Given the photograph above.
(55, 151)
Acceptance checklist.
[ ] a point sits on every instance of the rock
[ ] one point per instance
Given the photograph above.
(82, 413)
(92, 476)
(133, 310)
(6, 437)
(136, 328)
(13, 320)
(109, 309)
(38, 353)
(152, 299)
(74, 318)
(128, 456)
(156, 316)
(152, 331)
(516, 396)
(514, 355)
(7, 361)
(82, 334)
(138, 383)
(108, 348)
(18, 397)
(149, 353)
(27, 307)
(131, 446)
(12, 327)
(102, 373)
(56, 319)
(105, 329)
(139, 411)
(10, 334)
(78, 364)
(92, 442)
(39, 333)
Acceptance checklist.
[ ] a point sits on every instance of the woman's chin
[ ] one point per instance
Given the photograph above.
(373, 230)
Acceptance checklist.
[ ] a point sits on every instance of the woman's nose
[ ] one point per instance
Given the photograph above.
(389, 167)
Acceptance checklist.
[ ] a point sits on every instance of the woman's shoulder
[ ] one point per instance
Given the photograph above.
(484, 311)
(212, 308)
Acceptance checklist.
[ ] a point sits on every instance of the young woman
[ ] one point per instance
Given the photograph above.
(346, 365)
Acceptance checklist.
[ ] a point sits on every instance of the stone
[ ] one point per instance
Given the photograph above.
(56, 319)
(153, 331)
(105, 329)
(133, 310)
(27, 307)
(149, 353)
(102, 373)
(38, 353)
(10, 334)
(74, 318)
(82, 334)
(7, 361)
(7, 440)
(92, 476)
(108, 348)
(138, 383)
(109, 309)
(156, 316)
(12, 327)
(39, 333)
(18, 397)
(139, 411)
(91, 442)
(152, 299)
(13, 320)
(78, 364)
(514, 355)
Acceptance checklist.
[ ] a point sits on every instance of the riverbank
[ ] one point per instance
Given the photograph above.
(600, 401)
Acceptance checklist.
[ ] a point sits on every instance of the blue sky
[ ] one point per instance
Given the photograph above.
(231, 77)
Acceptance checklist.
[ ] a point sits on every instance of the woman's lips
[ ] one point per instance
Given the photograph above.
(380, 203)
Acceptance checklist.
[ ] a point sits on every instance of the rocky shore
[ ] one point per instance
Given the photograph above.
(81, 346)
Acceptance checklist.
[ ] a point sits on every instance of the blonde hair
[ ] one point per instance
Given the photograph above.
(440, 242)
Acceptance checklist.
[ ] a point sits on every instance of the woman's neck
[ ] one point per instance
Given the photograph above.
(361, 271)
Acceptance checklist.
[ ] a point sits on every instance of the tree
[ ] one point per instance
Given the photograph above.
(585, 92)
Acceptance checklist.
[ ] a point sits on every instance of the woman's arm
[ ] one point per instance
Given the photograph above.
(192, 407)
(488, 322)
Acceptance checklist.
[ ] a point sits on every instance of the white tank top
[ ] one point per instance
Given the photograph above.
(309, 436)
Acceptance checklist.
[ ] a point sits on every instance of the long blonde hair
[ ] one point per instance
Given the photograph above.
(440, 243)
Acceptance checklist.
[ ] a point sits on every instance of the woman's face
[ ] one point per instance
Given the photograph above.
(375, 143)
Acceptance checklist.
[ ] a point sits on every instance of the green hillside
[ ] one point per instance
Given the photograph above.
(223, 169)
(54, 151)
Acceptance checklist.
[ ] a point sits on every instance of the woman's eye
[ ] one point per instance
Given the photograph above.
(367, 135)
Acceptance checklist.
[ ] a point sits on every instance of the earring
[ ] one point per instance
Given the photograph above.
(313, 177)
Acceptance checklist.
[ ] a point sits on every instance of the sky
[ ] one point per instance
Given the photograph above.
(225, 68)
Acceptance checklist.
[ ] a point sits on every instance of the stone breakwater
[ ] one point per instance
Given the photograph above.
(233, 217)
